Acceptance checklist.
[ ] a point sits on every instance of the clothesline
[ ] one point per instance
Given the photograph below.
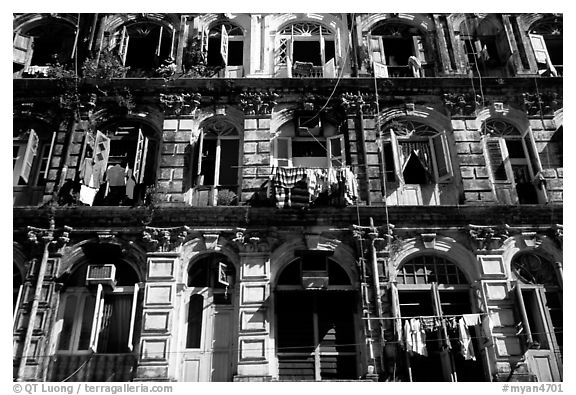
(422, 316)
(303, 167)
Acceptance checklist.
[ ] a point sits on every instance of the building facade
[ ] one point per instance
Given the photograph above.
(280, 197)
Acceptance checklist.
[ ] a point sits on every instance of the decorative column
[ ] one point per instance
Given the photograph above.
(255, 347)
(257, 106)
(38, 305)
(158, 357)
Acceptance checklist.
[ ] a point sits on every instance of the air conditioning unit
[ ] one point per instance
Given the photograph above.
(101, 274)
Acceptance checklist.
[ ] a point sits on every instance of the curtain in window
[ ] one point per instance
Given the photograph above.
(115, 324)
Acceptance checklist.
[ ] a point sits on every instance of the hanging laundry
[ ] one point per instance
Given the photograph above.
(466, 346)
(419, 337)
(116, 176)
(429, 324)
(284, 180)
(471, 319)
(130, 185)
(87, 194)
(408, 339)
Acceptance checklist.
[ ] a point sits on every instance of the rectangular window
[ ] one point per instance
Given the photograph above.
(389, 162)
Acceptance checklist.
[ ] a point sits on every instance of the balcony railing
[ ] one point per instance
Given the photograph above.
(90, 368)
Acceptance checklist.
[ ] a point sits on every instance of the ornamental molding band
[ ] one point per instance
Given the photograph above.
(310, 101)
(54, 239)
(180, 103)
(462, 104)
(531, 238)
(165, 239)
(545, 103)
(556, 232)
(487, 237)
(257, 102)
(253, 241)
(354, 103)
(382, 237)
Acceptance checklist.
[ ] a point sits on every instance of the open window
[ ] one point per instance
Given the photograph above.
(415, 153)
(33, 147)
(98, 317)
(43, 44)
(142, 46)
(315, 308)
(310, 141)
(397, 50)
(215, 164)
(306, 49)
(433, 292)
(512, 160)
(223, 46)
(539, 303)
(546, 39)
(120, 156)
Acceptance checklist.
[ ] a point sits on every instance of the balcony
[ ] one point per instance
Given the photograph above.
(214, 195)
(94, 367)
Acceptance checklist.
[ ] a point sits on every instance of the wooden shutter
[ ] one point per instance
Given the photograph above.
(123, 49)
(338, 46)
(322, 49)
(441, 157)
(396, 151)
(133, 317)
(539, 47)
(140, 158)
(200, 143)
(22, 49)
(159, 47)
(49, 158)
(204, 43)
(419, 50)
(101, 149)
(376, 51)
(283, 151)
(503, 46)
(496, 159)
(31, 150)
(329, 69)
(96, 319)
(530, 147)
(336, 151)
(224, 45)
(523, 314)
(17, 303)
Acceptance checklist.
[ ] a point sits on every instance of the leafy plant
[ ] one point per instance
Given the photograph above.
(107, 66)
(226, 197)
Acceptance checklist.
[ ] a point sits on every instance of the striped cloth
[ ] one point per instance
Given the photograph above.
(284, 179)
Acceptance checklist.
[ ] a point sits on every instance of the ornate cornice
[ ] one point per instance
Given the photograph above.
(254, 241)
(545, 103)
(258, 102)
(354, 103)
(487, 237)
(461, 103)
(165, 239)
(182, 103)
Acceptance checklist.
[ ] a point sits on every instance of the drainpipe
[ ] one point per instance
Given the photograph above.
(377, 291)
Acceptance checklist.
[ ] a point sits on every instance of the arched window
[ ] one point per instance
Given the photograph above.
(118, 164)
(433, 293)
(415, 153)
(42, 45)
(223, 45)
(546, 37)
(539, 298)
(512, 159)
(216, 171)
(306, 49)
(315, 306)
(398, 50)
(142, 46)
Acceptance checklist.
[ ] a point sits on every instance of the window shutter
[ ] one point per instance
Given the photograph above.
(442, 157)
(496, 159)
(419, 51)
(22, 49)
(503, 46)
(101, 149)
(133, 317)
(49, 158)
(17, 303)
(96, 320)
(224, 45)
(338, 45)
(540, 50)
(159, 47)
(376, 51)
(123, 50)
(336, 152)
(322, 48)
(200, 143)
(140, 159)
(329, 69)
(31, 150)
(523, 314)
(396, 152)
(204, 43)
(533, 156)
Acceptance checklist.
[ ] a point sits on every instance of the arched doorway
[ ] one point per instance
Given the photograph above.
(439, 327)
(315, 319)
(209, 317)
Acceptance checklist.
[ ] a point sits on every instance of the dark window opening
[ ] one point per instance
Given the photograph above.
(515, 149)
(303, 149)
(53, 43)
(209, 161)
(228, 162)
(235, 53)
(414, 171)
(142, 52)
(397, 51)
(552, 156)
(537, 325)
(329, 50)
(205, 272)
(214, 56)
(307, 51)
(115, 325)
(194, 330)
